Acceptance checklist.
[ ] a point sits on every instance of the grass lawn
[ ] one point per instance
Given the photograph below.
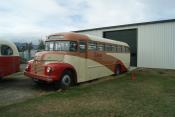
(152, 94)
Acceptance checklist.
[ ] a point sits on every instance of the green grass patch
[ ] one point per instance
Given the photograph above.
(152, 94)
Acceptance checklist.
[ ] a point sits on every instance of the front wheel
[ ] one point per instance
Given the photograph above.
(65, 82)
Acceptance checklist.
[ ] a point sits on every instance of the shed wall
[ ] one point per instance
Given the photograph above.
(156, 46)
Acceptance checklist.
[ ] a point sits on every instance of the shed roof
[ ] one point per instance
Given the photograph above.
(126, 25)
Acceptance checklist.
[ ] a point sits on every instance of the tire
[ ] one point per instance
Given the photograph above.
(65, 82)
(117, 70)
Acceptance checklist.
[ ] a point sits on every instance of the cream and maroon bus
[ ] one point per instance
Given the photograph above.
(71, 58)
(9, 58)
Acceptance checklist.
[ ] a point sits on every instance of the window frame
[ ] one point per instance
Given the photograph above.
(2, 53)
(85, 49)
(123, 49)
(54, 46)
(108, 47)
(119, 49)
(127, 49)
(101, 45)
(113, 48)
(92, 42)
(49, 45)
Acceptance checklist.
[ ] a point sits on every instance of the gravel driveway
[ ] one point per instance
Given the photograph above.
(17, 88)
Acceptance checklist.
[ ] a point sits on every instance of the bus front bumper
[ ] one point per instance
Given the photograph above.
(48, 79)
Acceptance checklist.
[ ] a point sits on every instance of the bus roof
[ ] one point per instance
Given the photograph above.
(105, 40)
(72, 35)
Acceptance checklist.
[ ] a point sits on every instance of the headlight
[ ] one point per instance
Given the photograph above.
(27, 67)
(49, 69)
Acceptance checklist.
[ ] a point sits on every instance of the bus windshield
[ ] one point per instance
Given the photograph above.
(61, 46)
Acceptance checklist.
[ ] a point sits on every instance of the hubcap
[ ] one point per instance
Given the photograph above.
(66, 80)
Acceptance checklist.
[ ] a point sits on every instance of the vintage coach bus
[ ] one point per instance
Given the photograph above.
(9, 58)
(71, 58)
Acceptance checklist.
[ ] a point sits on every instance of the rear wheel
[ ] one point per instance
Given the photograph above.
(117, 70)
(66, 81)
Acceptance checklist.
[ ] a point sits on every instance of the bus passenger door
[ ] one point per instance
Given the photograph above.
(82, 71)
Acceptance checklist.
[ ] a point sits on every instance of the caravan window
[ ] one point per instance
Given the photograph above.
(6, 50)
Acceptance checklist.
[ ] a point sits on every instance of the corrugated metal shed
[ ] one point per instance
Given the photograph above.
(155, 42)
(156, 46)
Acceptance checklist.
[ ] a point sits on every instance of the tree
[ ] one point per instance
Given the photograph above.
(29, 48)
(41, 45)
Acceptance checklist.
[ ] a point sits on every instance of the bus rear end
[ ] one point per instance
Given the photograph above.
(9, 58)
(9, 65)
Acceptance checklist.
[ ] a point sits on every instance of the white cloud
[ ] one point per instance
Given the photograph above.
(34, 18)
(117, 12)
(24, 15)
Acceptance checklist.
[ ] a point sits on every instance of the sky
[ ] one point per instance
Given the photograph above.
(30, 20)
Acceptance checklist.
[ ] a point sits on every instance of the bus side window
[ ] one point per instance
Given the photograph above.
(116, 48)
(6, 50)
(127, 49)
(123, 49)
(108, 48)
(92, 46)
(73, 46)
(100, 47)
(82, 46)
(119, 48)
(113, 49)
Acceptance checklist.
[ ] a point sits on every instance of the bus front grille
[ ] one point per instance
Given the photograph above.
(38, 67)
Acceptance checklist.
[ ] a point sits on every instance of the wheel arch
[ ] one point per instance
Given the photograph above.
(117, 67)
(60, 68)
(73, 72)
(121, 65)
